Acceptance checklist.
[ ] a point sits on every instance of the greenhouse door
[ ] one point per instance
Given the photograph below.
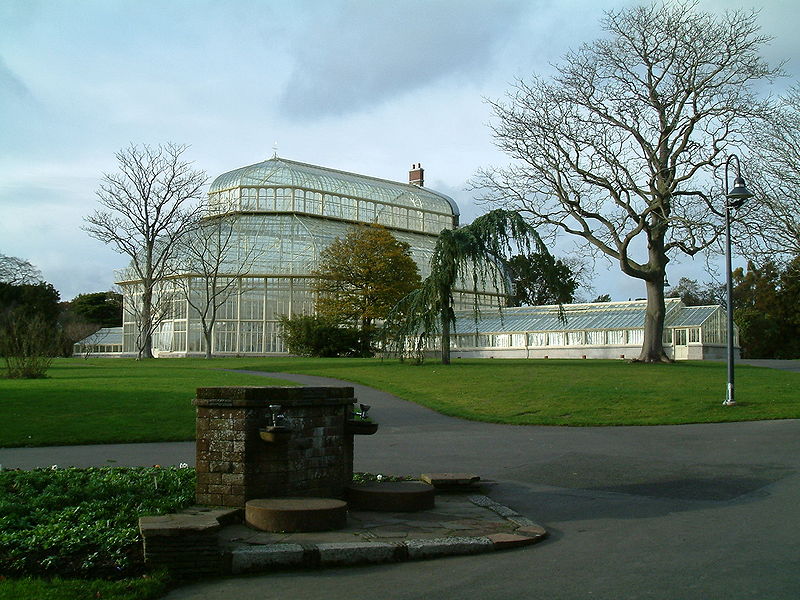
(680, 340)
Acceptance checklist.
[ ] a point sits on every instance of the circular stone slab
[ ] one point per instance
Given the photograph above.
(296, 514)
(392, 496)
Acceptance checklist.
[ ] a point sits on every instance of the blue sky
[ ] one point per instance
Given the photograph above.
(360, 85)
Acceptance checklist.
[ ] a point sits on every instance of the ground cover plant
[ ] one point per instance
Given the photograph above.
(82, 523)
(109, 401)
(71, 534)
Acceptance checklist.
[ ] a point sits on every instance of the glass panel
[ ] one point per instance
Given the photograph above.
(251, 337)
(615, 337)
(537, 338)
(595, 338)
(501, 340)
(574, 338)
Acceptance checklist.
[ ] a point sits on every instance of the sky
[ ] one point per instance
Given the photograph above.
(367, 86)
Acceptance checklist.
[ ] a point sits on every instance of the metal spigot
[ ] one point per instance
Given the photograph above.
(277, 417)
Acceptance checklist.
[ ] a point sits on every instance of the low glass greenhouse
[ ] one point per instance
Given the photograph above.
(104, 342)
(291, 211)
(592, 330)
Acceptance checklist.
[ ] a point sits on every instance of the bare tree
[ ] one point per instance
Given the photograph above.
(214, 259)
(774, 212)
(620, 146)
(148, 209)
(17, 271)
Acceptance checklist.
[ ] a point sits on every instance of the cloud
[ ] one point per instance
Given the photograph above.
(359, 53)
(13, 91)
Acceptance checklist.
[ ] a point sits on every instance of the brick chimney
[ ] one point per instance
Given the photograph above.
(416, 176)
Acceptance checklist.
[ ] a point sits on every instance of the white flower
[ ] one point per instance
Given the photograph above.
(379, 477)
(183, 466)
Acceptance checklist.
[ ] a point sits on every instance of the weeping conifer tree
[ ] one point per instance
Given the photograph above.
(474, 253)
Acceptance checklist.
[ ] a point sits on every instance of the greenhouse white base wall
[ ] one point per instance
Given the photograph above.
(692, 352)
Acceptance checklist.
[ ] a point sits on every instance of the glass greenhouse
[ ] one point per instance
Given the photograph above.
(592, 330)
(290, 211)
(104, 342)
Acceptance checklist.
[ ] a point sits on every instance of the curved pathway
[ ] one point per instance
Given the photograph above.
(671, 512)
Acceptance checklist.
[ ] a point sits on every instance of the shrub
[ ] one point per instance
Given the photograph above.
(27, 343)
(318, 336)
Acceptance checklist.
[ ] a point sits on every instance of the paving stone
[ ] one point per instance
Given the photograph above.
(458, 525)
(504, 541)
(503, 511)
(435, 547)
(521, 521)
(450, 481)
(532, 530)
(350, 553)
(261, 558)
(392, 496)
(481, 500)
(387, 535)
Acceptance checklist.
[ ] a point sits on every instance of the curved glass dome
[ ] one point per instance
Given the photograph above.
(280, 185)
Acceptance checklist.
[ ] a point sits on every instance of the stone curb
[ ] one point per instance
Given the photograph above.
(260, 558)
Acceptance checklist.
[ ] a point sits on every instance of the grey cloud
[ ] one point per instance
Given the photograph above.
(364, 52)
(12, 88)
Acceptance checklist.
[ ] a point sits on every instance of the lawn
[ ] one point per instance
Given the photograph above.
(568, 392)
(109, 401)
(120, 400)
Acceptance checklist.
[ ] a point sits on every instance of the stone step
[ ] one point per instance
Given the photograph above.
(391, 496)
(451, 481)
(296, 514)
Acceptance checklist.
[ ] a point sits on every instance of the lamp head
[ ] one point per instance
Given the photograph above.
(739, 193)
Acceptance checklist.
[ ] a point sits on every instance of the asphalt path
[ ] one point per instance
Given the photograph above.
(671, 512)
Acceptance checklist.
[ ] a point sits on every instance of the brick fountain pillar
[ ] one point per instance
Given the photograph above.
(234, 464)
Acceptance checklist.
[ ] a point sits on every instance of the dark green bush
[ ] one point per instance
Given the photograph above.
(83, 522)
(317, 336)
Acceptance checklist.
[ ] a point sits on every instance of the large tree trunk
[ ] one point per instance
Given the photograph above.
(146, 324)
(447, 315)
(445, 339)
(653, 346)
(366, 347)
(209, 350)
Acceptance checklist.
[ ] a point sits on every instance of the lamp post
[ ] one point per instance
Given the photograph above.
(733, 199)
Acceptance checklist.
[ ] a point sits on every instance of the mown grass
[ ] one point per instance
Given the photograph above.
(109, 401)
(119, 400)
(568, 392)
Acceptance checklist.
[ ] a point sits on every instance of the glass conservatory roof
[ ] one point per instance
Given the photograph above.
(105, 336)
(600, 315)
(690, 316)
(280, 172)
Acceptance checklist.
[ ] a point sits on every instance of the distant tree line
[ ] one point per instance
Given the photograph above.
(765, 303)
(35, 325)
